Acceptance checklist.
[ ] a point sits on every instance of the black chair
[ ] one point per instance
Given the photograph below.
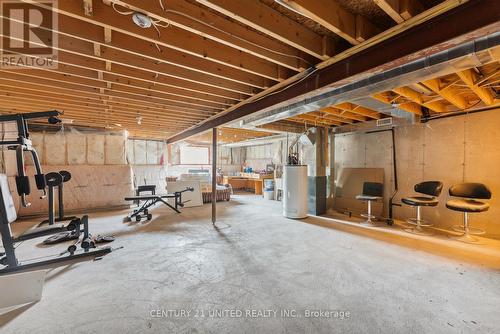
(467, 202)
(372, 191)
(433, 190)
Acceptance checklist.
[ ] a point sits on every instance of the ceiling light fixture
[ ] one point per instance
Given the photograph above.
(142, 20)
(138, 119)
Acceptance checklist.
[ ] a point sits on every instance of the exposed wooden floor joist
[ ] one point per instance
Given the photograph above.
(207, 57)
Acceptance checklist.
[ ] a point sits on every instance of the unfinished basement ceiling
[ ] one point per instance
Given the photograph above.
(229, 135)
(471, 89)
(199, 58)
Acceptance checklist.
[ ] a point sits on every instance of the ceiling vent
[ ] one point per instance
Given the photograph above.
(384, 121)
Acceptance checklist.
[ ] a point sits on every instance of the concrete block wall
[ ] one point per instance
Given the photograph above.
(452, 150)
(359, 150)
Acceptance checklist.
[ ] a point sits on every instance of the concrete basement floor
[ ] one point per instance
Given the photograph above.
(257, 260)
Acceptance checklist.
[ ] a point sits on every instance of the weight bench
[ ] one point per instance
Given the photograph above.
(153, 199)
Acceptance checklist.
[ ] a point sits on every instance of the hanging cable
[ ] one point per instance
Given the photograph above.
(161, 5)
(120, 12)
(157, 23)
(234, 36)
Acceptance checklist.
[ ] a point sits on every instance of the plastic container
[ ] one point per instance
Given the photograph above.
(269, 194)
(269, 185)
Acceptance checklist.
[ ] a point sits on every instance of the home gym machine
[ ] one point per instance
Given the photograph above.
(8, 212)
(56, 180)
(57, 183)
(23, 144)
(151, 200)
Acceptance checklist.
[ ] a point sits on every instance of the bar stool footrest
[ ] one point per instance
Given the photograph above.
(472, 230)
(421, 222)
(417, 230)
(467, 238)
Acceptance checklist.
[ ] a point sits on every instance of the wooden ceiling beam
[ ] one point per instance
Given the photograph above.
(400, 10)
(101, 80)
(410, 8)
(272, 23)
(310, 123)
(283, 126)
(80, 118)
(128, 76)
(139, 88)
(174, 85)
(95, 105)
(471, 78)
(89, 111)
(395, 45)
(180, 85)
(357, 109)
(136, 104)
(353, 28)
(449, 93)
(344, 114)
(206, 89)
(210, 25)
(391, 97)
(414, 96)
(79, 38)
(329, 117)
(230, 135)
(201, 99)
(147, 131)
(99, 102)
(43, 75)
(486, 77)
(317, 119)
(171, 38)
(412, 107)
(145, 127)
(305, 122)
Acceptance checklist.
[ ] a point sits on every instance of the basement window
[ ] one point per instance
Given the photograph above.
(194, 155)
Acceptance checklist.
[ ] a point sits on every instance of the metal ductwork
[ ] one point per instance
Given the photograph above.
(465, 56)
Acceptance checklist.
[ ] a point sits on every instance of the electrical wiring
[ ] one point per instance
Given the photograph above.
(311, 71)
(237, 37)
(464, 111)
(157, 23)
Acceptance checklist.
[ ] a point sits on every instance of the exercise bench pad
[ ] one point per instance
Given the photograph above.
(149, 197)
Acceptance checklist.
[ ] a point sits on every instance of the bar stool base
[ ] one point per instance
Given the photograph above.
(417, 230)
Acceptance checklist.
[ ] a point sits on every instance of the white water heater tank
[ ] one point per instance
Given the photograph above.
(295, 191)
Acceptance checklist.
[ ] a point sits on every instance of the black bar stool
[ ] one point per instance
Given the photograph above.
(372, 191)
(432, 189)
(467, 202)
